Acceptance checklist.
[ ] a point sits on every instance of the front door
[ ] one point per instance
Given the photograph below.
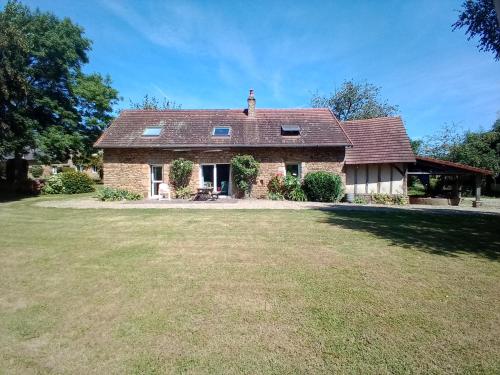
(156, 179)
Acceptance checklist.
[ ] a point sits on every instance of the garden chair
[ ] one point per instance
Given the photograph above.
(164, 190)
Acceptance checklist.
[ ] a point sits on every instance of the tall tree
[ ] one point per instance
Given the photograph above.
(354, 101)
(479, 149)
(152, 103)
(46, 102)
(480, 19)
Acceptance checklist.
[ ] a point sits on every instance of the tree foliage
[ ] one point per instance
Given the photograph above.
(154, 104)
(180, 172)
(46, 102)
(479, 149)
(479, 17)
(245, 170)
(354, 101)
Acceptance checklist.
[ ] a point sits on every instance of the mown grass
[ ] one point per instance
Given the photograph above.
(171, 291)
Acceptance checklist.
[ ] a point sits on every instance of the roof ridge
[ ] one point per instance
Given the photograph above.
(221, 109)
(373, 119)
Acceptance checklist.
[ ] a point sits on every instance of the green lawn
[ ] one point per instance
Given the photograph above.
(171, 291)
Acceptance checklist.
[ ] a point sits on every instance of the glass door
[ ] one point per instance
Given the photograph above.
(156, 179)
(207, 176)
(217, 177)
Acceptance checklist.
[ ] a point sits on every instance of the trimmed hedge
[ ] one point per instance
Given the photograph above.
(323, 187)
(69, 182)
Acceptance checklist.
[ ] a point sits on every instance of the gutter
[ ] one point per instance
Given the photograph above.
(198, 146)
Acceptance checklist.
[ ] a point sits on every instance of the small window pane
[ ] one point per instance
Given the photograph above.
(157, 173)
(152, 132)
(293, 170)
(221, 132)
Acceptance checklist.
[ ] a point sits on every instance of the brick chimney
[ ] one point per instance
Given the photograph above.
(251, 104)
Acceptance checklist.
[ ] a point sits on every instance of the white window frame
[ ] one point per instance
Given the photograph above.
(94, 169)
(151, 179)
(214, 181)
(221, 127)
(54, 169)
(152, 127)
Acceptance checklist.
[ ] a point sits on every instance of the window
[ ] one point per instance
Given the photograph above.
(293, 170)
(153, 131)
(54, 169)
(221, 132)
(79, 168)
(94, 169)
(290, 130)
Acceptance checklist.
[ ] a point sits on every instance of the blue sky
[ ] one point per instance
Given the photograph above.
(207, 54)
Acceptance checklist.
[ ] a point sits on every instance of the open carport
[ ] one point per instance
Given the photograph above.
(426, 167)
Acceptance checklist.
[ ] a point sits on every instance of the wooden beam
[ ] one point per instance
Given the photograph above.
(398, 169)
(390, 182)
(379, 178)
(367, 171)
(355, 180)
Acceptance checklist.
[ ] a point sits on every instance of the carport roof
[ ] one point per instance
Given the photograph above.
(426, 165)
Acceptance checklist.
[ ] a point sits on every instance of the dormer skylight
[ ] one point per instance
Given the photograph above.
(152, 131)
(290, 130)
(221, 131)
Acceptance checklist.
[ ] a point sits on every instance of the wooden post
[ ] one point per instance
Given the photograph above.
(367, 171)
(390, 184)
(379, 177)
(477, 202)
(355, 180)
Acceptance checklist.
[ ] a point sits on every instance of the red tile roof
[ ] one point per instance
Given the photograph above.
(193, 128)
(378, 140)
(446, 163)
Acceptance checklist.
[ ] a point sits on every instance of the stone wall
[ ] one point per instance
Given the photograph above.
(130, 168)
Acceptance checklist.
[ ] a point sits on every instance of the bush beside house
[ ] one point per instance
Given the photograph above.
(245, 171)
(110, 194)
(68, 182)
(323, 187)
(180, 173)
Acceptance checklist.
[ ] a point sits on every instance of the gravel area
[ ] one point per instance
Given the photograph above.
(231, 204)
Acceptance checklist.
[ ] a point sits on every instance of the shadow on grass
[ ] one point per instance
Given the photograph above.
(434, 232)
(12, 197)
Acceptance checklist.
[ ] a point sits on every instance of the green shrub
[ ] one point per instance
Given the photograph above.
(360, 200)
(75, 182)
(293, 189)
(323, 187)
(245, 170)
(180, 172)
(288, 187)
(111, 194)
(65, 169)
(183, 193)
(400, 200)
(70, 182)
(53, 185)
(37, 171)
(275, 185)
(389, 199)
(275, 196)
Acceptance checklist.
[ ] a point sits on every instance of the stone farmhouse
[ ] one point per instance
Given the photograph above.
(371, 156)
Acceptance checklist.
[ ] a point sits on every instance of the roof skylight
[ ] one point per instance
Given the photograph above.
(221, 131)
(290, 130)
(152, 131)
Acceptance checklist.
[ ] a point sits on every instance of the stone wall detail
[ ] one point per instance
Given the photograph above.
(130, 168)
